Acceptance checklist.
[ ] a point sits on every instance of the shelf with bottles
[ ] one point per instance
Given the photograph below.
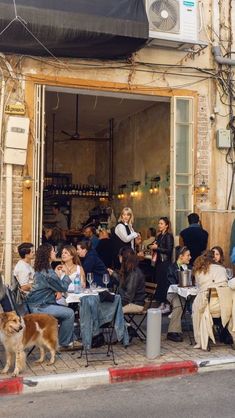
(76, 190)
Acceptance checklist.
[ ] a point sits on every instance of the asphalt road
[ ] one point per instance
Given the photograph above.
(209, 395)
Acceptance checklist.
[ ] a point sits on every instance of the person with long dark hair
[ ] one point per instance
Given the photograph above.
(163, 249)
(218, 254)
(131, 281)
(42, 298)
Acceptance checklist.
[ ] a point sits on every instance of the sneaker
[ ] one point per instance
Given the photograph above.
(75, 345)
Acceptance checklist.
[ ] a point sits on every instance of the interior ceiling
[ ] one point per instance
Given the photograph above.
(94, 112)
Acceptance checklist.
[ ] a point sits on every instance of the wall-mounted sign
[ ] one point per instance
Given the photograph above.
(15, 109)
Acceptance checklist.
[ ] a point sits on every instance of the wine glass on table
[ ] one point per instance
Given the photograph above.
(229, 273)
(90, 279)
(106, 279)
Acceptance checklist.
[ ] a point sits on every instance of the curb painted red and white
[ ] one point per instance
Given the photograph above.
(86, 379)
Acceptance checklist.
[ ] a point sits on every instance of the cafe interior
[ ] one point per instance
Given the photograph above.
(103, 151)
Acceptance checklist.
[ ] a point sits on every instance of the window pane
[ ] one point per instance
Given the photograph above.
(183, 199)
(181, 221)
(182, 149)
(183, 179)
(182, 114)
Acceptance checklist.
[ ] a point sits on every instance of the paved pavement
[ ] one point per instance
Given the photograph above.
(134, 355)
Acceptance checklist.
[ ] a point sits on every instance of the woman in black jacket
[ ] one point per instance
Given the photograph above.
(131, 281)
(163, 248)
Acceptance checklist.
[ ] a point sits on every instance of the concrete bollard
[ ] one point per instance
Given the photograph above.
(154, 325)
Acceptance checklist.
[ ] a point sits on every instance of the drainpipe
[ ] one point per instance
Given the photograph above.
(219, 57)
(8, 225)
(8, 182)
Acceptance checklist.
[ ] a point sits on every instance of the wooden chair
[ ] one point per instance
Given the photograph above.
(218, 328)
(131, 318)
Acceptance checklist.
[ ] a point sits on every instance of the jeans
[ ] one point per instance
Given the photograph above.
(65, 317)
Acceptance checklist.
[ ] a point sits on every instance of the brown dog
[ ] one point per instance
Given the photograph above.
(18, 333)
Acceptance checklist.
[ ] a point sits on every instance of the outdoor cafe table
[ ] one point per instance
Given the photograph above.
(94, 314)
(76, 297)
(186, 296)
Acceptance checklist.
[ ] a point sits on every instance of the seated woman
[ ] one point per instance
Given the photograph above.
(218, 254)
(183, 258)
(131, 281)
(210, 275)
(42, 298)
(71, 261)
(91, 262)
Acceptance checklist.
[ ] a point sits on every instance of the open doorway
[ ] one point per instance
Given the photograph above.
(100, 146)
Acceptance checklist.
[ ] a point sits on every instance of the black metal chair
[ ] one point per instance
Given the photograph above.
(131, 318)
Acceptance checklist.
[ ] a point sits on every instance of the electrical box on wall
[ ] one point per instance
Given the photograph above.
(223, 138)
(16, 141)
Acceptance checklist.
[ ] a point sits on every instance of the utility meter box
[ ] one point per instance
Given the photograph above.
(16, 140)
(223, 138)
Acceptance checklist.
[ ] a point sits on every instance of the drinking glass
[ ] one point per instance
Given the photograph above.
(106, 279)
(229, 273)
(89, 278)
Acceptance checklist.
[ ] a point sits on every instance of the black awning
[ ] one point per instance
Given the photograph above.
(73, 28)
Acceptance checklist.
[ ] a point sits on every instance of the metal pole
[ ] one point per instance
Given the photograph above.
(154, 325)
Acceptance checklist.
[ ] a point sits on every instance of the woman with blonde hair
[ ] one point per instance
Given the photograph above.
(124, 234)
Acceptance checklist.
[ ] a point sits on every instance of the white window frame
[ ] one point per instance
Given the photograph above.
(173, 175)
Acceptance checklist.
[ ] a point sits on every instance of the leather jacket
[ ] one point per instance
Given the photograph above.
(165, 247)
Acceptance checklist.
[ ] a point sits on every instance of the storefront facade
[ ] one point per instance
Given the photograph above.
(173, 137)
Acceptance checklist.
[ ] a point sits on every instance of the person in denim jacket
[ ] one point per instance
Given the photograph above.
(47, 288)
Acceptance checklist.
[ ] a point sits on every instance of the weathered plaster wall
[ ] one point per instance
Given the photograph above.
(142, 150)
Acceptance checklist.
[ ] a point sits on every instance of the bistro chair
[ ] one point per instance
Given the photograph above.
(222, 332)
(131, 318)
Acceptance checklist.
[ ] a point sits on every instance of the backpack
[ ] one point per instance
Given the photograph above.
(18, 295)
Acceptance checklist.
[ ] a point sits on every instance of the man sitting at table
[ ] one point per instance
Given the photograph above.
(183, 258)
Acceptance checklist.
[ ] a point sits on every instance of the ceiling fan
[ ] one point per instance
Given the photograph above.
(76, 135)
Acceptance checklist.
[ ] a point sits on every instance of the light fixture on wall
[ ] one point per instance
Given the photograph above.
(202, 189)
(135, 188)
(154, 185)
(27, 179)
(121, 189)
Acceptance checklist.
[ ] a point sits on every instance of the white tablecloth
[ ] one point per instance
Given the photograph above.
(75, 297)
(184, 292)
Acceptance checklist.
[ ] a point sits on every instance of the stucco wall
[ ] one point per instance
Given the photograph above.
(141, 151)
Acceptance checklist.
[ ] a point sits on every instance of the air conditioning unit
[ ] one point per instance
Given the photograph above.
(172, 20)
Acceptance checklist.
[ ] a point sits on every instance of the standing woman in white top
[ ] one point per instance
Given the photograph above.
(72, 266)
(124, 234)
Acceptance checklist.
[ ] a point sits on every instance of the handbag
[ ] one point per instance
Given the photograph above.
(2, 288)
(153, 258)
(232, 257)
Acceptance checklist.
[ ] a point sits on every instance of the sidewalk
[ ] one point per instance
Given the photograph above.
(133, 356)
(69, 371)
